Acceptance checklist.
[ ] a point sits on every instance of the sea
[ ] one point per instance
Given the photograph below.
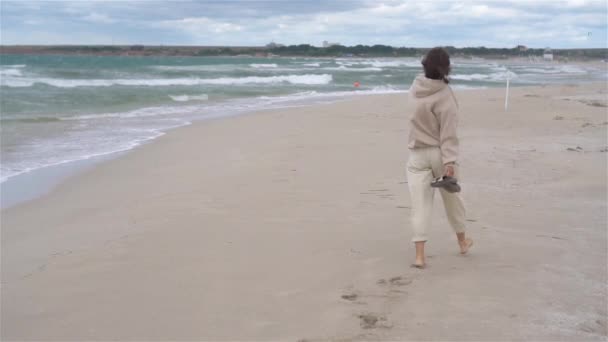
(60, 109)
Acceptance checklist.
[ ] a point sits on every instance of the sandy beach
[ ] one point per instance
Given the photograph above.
(293, 224)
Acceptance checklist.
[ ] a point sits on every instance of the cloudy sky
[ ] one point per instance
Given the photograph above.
(416, 23)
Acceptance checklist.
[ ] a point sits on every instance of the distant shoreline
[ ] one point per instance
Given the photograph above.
(303, 50)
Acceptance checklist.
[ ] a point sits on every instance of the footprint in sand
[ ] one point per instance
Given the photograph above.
(596, 327)
(351, 296)
(370, 320)
(396, 281)
(373, 321)
(577, 149)
(552, 237)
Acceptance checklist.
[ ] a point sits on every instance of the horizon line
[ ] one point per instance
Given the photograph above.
(285, 45)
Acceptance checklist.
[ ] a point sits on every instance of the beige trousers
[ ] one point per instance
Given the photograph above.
(423, 166)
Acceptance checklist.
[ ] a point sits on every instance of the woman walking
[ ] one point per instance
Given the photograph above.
(433, 146)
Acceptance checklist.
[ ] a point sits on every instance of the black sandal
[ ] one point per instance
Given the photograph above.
(450, 184)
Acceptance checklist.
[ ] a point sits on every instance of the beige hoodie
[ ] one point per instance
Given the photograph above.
(434, 117)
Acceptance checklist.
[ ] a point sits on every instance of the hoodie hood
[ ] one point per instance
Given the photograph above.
(423, 87)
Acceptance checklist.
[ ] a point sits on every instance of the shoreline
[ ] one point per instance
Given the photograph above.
(54, 174)
(270, 222)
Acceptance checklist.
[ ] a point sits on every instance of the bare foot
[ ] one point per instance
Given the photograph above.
(419, 264)
(465, 245)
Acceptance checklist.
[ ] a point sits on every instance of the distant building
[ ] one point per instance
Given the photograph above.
(548, 54)
(272, 45)
(522, 48)
(327, 44)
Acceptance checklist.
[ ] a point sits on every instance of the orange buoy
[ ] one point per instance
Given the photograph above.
(356, 84)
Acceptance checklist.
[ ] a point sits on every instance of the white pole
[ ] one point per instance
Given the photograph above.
(507, 93)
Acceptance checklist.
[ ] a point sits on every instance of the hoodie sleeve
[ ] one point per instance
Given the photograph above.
(446, 112)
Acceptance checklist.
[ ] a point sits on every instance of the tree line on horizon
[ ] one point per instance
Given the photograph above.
(307, 50)
(304, 50)
(390, 51)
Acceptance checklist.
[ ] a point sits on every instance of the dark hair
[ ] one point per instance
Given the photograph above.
(436, 64)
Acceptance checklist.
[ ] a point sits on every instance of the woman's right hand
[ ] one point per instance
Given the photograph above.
(448, 170)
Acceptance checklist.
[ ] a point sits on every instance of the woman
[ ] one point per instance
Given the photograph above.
(433, 145)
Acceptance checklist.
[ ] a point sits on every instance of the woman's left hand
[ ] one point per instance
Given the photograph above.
(449, 170)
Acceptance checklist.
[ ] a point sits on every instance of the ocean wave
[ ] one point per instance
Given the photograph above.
(564, 69)
(137, 113)
(312, 64)
(395, 64)
(307, 95)
(310, 79)
(376, 63)
(269, 65)
(345, 68)
(74, 154)
(193, 67)
(469, 77)
(539, 70)
(571, 69)
(475, 65)
(186, 98)
(499, 68)
(496, 76)
(10, 72)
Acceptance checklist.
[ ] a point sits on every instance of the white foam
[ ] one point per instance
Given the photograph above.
(572, 69)
(269, 65)
(10, 72)
(395, 64)
(311, 95)
(15, 82)
(380, 63)
(539, 70)
(73, 151)
(71, 83)
(552, 69)
(312, 64)
(497, 76)
(186, 98)
(345, 68)
(502, 76)
(469, 77)
(137, 113)
(499, 68)
(193, 67)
